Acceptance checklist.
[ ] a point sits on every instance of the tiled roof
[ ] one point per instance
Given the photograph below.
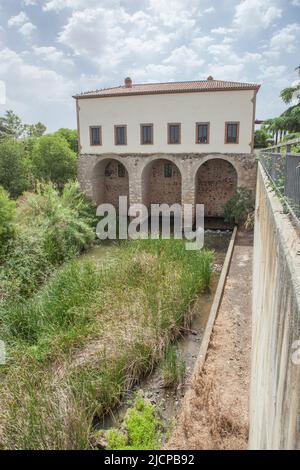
(169, 87)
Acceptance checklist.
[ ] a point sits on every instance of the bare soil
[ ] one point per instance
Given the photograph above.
(214, 414)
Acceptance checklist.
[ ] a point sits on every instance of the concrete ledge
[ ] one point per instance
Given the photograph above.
(215, 307)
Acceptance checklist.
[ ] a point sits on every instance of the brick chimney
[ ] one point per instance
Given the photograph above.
(128, 82)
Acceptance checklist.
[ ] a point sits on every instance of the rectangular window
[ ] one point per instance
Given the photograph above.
(174, 131)
(121, 135)
(95, 135)
(232, 132)
(121, 170)
(168, 170)
(202, 132)
(146, 134)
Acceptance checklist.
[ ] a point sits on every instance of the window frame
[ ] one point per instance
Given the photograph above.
(197, 133)
(145, 124)
(169, 135)
(227, 123)
(100, 136)
(115, 133)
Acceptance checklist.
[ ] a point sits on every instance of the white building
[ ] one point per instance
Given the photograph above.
(159, 124)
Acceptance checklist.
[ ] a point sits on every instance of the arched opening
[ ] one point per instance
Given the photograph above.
(110, 180)
(161, 183)
(216, 182)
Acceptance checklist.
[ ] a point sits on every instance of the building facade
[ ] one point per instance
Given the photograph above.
(185, 142)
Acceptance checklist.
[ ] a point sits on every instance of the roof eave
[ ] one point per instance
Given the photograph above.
(164, 92)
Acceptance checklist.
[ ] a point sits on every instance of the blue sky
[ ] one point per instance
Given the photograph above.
(51, 49)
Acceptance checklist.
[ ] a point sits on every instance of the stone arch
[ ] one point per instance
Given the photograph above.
(110, 180)
(161, 182)
(216, 182)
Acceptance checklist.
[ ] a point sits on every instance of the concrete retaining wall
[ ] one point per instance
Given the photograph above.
(275, 381)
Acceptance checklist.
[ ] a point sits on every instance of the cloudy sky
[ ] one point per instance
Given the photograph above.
(51, 49)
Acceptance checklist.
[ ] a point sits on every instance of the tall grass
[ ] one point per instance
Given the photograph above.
(88, 335)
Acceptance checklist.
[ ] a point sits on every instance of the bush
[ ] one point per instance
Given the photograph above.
(239, 206)
(65, 221)
(50, 229)
(7, 219)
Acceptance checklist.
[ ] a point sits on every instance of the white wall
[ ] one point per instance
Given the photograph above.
(186, 108)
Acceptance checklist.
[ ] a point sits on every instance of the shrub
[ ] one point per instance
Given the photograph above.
(238, 206)
(50, 229)
(7, 219)
(65, 221)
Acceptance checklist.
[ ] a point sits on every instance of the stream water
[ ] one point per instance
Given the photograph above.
(168, 400)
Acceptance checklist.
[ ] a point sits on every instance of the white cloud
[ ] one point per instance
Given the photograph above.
(222, 31)
(209, 10)
(39, 85)
(52, 55)
(286, 39)
(184, 57)
(175, 12)
(201, 42)
(254, 14)
(27, 29)
(296, 3)
(226, 71)
(108, 39)
(58, 5)
(17, 20)
(272, 73)
(29, 2)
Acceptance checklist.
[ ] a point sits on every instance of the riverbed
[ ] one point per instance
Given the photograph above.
(168, 400)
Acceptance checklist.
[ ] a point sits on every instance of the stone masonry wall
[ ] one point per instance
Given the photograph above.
(157, 188)
(139, 171)
(216, 182)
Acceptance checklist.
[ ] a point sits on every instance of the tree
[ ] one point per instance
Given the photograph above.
(11, 125)
(34, 130)
(7, 219)
(53, 160)
(293, 92)
(262, 138)
(289, 120)
(14, 167)
(71, 136)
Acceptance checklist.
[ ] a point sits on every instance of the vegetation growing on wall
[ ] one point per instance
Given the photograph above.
(239, 206)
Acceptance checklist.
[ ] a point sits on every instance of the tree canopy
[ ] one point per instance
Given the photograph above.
(28, 155)
(289, 120)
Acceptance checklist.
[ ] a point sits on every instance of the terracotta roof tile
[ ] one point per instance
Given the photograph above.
(169, 87)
